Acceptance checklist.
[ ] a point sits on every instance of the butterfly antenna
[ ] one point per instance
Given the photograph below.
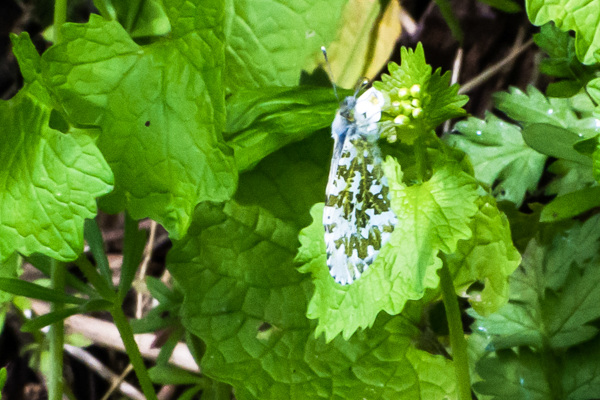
(330, 73)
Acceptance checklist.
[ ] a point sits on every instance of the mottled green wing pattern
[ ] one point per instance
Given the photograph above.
(357, 217)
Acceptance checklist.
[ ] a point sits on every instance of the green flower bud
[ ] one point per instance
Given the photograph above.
(415, 90)
(401, 120)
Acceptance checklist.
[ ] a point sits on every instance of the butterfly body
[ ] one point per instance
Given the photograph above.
(357, 216)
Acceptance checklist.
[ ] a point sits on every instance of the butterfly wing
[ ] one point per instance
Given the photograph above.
(357, 217)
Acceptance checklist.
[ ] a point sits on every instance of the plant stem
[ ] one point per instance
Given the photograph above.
(93, 236)
(133, 351)
(60, 17)
(457, 338)
(56, 336)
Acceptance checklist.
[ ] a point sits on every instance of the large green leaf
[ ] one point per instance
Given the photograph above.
(582, 16)
(269, 42)
(500, 157)
(49, 179)
(160, 106)
(432, 217)
(245, 298)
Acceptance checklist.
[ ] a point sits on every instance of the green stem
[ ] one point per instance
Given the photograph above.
(93, 236)
(133, 352)
(60, 17)
(457, 337)
(56, 336)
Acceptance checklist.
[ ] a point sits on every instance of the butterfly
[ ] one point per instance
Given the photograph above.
(357, 216)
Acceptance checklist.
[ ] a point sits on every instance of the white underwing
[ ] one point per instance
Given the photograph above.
(357, 216)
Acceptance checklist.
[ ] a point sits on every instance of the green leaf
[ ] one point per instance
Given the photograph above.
(586, 146)
(569, 177)
(532, 107)
(261, 121)
(596, 163)
(27, 56)
(553, 296)
(508, 6)
(134, 241)
(169, 375)
(31, 290)
(141, 18)
(43, 263)
(563, 88)
(9, 268)
(93, 237)
(160, 106)
(290, 181)
(560, 48)
(571, 204)
(159, 318)
(216, 391)
(52, 317)
(366, 35)
(103, 287)
(562, 62)
(554, 141)
(3, 375)
(581, 377)
(161, 292)
(257, 57)
(451, 20)
(581, 17)
(528, 375)
(413, 81)
(432, 217)
(50, 179)
(500, 157)
(190, 394)
(593, 89)
(507, 375)
(246, 300)
(488, 257)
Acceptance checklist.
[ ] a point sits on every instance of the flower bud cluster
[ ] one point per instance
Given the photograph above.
(406, 105)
